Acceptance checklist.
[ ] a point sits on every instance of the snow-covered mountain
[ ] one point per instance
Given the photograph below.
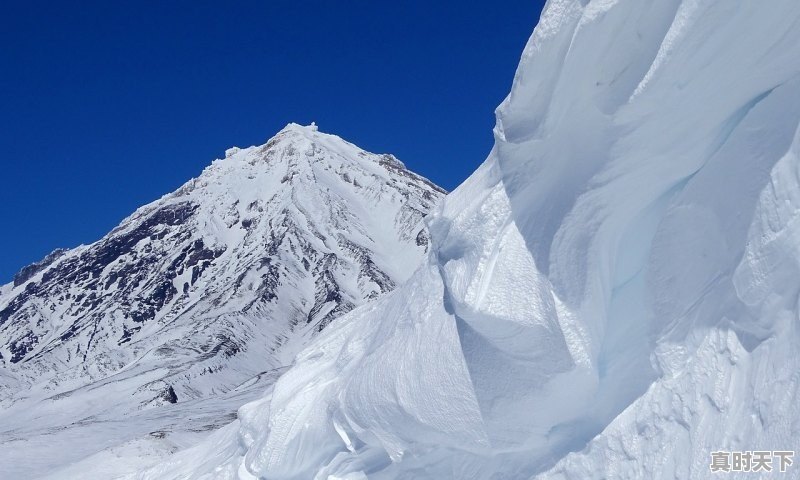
(200, 299)
(612, 295)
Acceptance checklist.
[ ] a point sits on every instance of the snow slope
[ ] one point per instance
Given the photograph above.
(151, 337)
(613, 294)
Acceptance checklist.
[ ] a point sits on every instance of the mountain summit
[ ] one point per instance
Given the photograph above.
(206, 293)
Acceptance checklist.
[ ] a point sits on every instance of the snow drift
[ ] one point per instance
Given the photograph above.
(613, 294)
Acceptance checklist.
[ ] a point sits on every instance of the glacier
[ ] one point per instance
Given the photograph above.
(612, 294)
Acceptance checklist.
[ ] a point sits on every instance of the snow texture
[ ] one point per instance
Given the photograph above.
(613, 294)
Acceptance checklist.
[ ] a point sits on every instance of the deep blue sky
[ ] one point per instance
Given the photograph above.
(105, 106)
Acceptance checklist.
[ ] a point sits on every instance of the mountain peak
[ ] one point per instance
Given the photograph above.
(302, 157)
(312, 127)
(331, 197)
(214, 287)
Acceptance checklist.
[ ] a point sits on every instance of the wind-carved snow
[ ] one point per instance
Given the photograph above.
(613, 294)
(147, 339)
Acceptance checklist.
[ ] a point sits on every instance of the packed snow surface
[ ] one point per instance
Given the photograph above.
(613, 294)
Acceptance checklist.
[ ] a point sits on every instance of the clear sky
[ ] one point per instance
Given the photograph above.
(105, 106)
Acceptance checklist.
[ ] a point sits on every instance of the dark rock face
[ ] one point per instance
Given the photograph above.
(21, 346)
(169, 395)
(122, 272)
(423, 239)
(391, 163)
(154, 227)
(27, 272)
